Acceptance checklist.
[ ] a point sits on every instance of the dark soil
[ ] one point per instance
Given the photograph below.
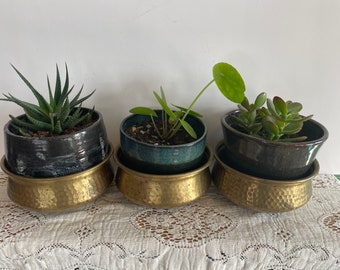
(145, 132)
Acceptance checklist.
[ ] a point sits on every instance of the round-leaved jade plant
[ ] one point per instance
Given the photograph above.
(279, 120)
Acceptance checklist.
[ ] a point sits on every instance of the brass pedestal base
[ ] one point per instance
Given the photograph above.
(262, 194)
(60, 193)
(163, 191)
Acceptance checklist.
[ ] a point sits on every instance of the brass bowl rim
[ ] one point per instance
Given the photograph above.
(43, 180)
(314, 172)
(167, 177)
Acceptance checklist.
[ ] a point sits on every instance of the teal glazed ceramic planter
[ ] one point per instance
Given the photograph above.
(270, 159)
(58, 155)
(162, 159)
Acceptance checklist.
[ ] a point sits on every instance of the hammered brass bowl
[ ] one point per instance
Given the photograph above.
(163, 191)
(258, 193)
(60, 193)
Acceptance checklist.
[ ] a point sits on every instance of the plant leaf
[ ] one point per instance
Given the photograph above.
(252, 117)
(300, 119)
(41, 100)
(143, 111)
(163, 94)
(71, 120)
(74, 102)
(52, 101)
(23, 124)
(79, 119)
(36, 110)
(39, 124)
(280, 106)
(57, 128)
(270, 127)
(65, 111)
(229, 82)
(244, 104)
(294, 107)
(191, 112)
(65, 91)
(260, 100)
(271, 108)
(57, 90)
(188, 128)
(292, 128)
(165, 107)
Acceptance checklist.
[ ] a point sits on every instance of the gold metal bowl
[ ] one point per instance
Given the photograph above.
(258, 193)
(60, 193)
(163, 191)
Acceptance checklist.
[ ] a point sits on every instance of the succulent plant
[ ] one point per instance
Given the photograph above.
(54, 117)
(279, 121)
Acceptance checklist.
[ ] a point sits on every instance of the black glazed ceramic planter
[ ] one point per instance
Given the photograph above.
(58, 155)
(270, 159)
(162, 159)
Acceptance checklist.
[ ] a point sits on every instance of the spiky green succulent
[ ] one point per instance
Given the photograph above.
(59, 114)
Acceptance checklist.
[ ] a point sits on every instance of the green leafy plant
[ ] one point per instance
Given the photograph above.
(59, 114)
(278, 121)
(172, 120)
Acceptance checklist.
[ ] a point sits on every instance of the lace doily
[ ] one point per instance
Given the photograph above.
(210, 233)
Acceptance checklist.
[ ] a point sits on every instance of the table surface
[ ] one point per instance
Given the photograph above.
(210, 233)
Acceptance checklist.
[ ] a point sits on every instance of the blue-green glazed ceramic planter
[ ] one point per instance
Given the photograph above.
(162, 159)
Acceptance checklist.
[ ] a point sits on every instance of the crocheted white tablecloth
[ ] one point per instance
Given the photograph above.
(211, 233)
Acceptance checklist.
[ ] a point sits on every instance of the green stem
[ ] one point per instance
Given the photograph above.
(174, 129)
(196, 98)
(191, 105)
(155, 126)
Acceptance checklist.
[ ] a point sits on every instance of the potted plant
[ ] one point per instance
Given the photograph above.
(165, 151)
(164, 141)
(56, 147)
(267, 139)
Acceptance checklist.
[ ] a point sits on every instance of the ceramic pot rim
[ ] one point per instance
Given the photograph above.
(314, 171)
(268, 142)
(167, 177)
(48, 138)
(58, 178)
(164, 146)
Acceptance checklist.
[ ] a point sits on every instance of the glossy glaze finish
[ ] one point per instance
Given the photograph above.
(163, 191)
(261, 194)
(159, 159)
(275, 160)
(63, 192)
(58, 155)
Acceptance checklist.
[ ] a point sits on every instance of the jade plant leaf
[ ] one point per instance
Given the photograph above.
(280, 106)
(260, 100)
(294, 107)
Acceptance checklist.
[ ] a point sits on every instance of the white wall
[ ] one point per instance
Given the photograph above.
(126, 49)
